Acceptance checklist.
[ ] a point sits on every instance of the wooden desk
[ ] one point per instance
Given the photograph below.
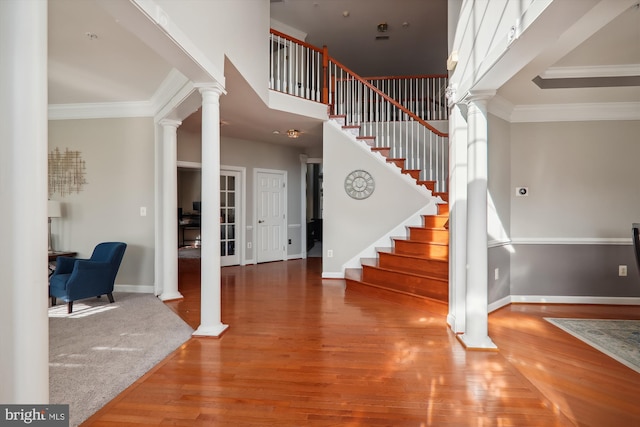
(54, 255)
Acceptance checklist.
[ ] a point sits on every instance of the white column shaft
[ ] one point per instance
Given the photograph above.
(210, 288)
(24, 325)
(476, 323)
(457, 220)
(169, 197)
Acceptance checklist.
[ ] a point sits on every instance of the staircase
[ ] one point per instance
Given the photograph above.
(415, 269)
(394, 117)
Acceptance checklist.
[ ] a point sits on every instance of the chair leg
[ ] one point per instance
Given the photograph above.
(69, 307)
(110, 295)
(53, 301)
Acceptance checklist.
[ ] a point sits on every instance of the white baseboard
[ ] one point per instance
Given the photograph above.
(333, 275)
(553, 299)
(500, 303)
(139, 289)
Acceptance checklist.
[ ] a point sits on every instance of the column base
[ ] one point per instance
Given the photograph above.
(166, 296)
(210, 331)
(481, 344)
(455, 325)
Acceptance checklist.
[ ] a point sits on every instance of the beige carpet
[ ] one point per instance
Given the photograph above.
(100, 349)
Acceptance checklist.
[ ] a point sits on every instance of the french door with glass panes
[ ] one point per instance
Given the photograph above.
(229, 204)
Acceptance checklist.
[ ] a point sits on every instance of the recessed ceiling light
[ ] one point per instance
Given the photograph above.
(293, 133)
(276, 132)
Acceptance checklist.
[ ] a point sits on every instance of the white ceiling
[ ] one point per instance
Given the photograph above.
(115, 66)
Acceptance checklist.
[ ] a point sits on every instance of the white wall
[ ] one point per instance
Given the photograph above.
(119, 157)
(350, 226)
(232, 28)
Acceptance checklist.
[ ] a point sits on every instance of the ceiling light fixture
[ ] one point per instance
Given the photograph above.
(293, 133)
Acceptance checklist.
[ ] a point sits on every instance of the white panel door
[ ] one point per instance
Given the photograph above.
(270, 216)
(229, 217)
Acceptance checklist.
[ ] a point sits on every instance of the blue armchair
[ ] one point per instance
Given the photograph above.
(76, 279)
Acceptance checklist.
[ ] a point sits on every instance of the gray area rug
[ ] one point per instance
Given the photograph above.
(100, 349)
(619, 339)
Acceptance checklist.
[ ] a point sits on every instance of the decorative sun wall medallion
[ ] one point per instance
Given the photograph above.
(359, 184)
(66, 172)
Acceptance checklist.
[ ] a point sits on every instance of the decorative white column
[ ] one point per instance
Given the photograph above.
(169, 210)
(210, 315)
(476, 334)
(24, 324)
(457, 219)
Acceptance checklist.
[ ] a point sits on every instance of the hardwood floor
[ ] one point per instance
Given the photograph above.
(302, 351)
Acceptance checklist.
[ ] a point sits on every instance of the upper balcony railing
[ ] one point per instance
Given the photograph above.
(423, 94)
(397, 111)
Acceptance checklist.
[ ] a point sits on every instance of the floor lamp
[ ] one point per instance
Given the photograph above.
(53, 211)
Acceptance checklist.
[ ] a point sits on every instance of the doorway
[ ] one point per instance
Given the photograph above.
(271, 203)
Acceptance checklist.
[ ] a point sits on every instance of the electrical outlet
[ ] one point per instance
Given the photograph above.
(622, 270)
(249, 245)
(143, 211)
(289, 241)
(329, 253)
(496, 273)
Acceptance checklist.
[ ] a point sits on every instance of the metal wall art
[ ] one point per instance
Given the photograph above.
(66, 172)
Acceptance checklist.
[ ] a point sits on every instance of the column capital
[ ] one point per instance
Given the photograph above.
(214, 87)
(479, 96)
(170, 123)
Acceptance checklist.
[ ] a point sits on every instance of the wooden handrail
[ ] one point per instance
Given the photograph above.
(390, 100)
(326, 77)
(417, 76)
(293, 39)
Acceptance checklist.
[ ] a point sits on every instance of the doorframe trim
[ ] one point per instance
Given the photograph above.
(305, 161)
(243, 201)
(255, 210)
(241, 210)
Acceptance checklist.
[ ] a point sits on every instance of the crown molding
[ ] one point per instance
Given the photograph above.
(534, 113)
(575, 112)
(626, 70)
(105, 110)
(172, 84)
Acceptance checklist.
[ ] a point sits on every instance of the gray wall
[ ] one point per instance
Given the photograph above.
(119, 156)
(573, 230)
(257, 155)
(499, 209)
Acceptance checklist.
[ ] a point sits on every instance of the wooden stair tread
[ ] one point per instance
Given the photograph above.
(415, 270)
(407, 273)
(418, 242)
(405, 299)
